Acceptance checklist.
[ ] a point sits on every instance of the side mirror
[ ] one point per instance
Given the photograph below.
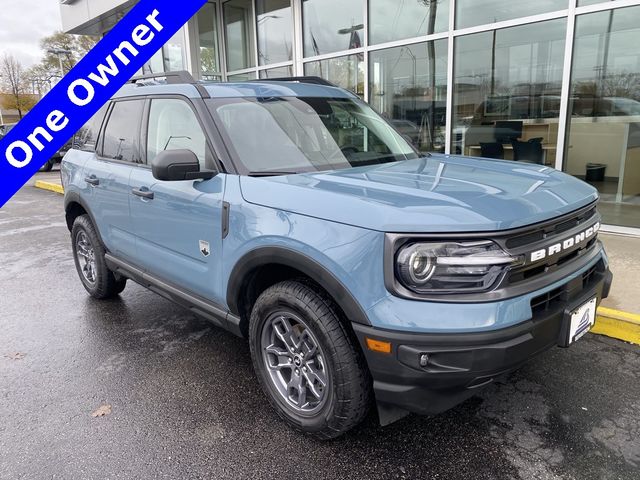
(176, 165)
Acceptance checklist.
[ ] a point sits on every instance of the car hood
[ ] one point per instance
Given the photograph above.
(438, 193)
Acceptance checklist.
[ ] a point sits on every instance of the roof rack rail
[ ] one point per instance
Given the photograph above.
(310, 79)
(171, 77)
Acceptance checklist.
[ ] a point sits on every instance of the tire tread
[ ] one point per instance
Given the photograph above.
(352, 385)
(107, 285)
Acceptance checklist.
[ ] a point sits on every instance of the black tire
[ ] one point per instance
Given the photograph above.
(47, 167)
(105, 284)
(346, 398)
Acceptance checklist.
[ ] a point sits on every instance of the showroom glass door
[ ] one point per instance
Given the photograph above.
(603, 142)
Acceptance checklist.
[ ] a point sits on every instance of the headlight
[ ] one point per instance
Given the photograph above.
(452, 267)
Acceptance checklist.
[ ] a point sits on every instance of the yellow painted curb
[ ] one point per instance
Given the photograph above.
(617, 324)
(53, 187)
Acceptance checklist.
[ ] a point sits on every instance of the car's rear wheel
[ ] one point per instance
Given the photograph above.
(88, 254)
(47, 167)
(308, 366)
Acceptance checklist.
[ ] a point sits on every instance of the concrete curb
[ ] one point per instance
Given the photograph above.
(617, 324)
(52, 187)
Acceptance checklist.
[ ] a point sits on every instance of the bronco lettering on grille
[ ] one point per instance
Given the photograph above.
(565, 244)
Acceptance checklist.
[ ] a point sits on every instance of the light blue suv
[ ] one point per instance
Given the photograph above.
(360, 270)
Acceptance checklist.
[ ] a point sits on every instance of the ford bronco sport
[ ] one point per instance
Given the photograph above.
(360, 270)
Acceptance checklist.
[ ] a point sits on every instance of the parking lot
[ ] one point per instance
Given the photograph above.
(185, 404)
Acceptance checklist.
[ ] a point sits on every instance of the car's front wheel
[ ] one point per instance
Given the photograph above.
(88, 253)
(309, 367)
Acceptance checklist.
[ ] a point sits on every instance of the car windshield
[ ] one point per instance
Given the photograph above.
(283, 135)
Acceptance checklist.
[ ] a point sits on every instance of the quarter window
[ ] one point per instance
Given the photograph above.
(86, 138)
(122, 132)
(173, 125)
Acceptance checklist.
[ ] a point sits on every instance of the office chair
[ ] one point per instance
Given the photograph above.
(491, 150)
(530, 151)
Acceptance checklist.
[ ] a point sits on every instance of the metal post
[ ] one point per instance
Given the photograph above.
(58, 52)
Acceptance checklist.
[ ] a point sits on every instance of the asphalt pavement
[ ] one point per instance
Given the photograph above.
(184, 402)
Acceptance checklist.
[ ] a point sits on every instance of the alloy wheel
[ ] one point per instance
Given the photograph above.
(295, 363)
(86, 257)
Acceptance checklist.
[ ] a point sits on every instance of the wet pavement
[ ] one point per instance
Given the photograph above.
(185, 403)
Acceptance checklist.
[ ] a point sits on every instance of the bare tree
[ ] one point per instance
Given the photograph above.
(40, 78)
(14, 80)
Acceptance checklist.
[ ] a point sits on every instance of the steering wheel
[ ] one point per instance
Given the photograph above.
(346, 151)
(349, 149)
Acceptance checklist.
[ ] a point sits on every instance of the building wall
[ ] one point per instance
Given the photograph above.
(91, 17)
(450, 73)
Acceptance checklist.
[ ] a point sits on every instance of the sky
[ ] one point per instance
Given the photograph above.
(23, 23)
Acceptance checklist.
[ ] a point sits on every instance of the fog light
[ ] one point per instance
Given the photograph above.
(424, 359)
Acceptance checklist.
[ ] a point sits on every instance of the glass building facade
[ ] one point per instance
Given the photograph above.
(553, 82)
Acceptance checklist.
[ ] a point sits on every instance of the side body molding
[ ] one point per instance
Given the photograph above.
(291, 258)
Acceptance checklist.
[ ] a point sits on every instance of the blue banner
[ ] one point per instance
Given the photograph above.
(87, 87)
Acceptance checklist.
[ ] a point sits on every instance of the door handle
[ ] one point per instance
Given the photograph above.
(148, 194)
(92, 180)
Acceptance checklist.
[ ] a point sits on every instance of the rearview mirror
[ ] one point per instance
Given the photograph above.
(176, 165)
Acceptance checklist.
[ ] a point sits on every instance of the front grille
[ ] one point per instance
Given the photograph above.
(531, 271)
(543, 236)
(550, 230)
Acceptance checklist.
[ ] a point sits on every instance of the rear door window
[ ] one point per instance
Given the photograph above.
(122, 133)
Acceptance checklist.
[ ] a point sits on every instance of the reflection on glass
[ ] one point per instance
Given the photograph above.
(473, 12)
(277, 72)
(332, 25)
(155, 64)
(603, 143)
(241, 77)
(275, 30)
(408, 85)
(391, 20)
(295, 134)
(173, 125)
(173, 53)
(507, 92)
(238, 28)
(208, 40)
(346, 72)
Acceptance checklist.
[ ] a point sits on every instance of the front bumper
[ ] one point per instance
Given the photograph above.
(458, 364)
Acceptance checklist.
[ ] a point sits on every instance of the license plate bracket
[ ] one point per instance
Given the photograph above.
(578, 321)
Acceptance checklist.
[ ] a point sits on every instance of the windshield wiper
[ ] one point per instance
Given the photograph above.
(270, 173)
